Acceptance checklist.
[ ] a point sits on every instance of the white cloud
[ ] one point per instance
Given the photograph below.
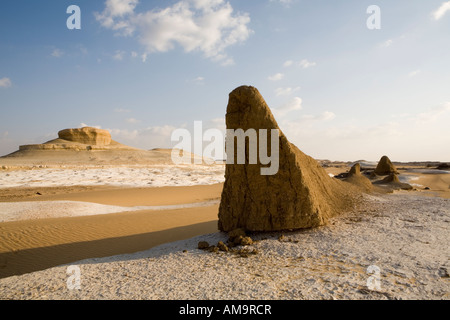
(120, 9)
(286, 91)
(327, 115)
(148, 138)
(433, 114)
(57, 53)
(160, 136)
(306, 64)
(276, 77)
(217, 123)
(324, 116)
(83, 49)
(122, 110)
(288, 63)
(286, 3)
(135, 55)
(442, 10)
(413, 73)
(5, 83)
(387, 43)
(208, 26)
(198, 80)
(124, 136)
(292, 105)
(132, 120)
(118, 56)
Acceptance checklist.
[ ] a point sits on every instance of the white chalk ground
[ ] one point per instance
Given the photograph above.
(124, 176)
(404, 236)
(31, 210)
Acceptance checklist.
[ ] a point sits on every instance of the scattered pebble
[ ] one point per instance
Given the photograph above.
(443, 272)
(222, 246)
(203, 245)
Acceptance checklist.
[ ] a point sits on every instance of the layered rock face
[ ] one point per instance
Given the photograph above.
(81, 139)
(86, 135)
(299, 195)
(385, 167)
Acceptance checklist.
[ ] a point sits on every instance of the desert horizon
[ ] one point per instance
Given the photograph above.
(71, 148)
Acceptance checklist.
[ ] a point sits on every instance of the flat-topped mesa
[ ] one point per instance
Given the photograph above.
(299, 195)
(86, 135)
(80, 139)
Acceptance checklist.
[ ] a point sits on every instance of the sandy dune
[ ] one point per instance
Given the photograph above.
(35, 244)
(405, 236)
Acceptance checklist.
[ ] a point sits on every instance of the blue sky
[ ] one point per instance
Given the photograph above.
(141, 69)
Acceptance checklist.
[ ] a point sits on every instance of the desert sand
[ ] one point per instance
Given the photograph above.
(152, 253)
(38, 232)
(404, 235)
(133, 240)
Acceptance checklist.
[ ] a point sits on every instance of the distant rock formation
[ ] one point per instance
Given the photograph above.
(80, 139)
(355, 170)
(385, 167)
(86, 135)
(355, 177)
(299, 195)
(391, 178)
(393, 182)
(443, 166)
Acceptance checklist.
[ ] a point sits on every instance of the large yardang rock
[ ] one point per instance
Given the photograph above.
(299, 195)
(86, 135)
(385, 167)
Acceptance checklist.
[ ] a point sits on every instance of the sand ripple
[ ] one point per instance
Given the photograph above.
(405, 236)
(32, 210)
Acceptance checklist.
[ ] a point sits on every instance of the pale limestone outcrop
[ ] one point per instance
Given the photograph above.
(86, 135)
